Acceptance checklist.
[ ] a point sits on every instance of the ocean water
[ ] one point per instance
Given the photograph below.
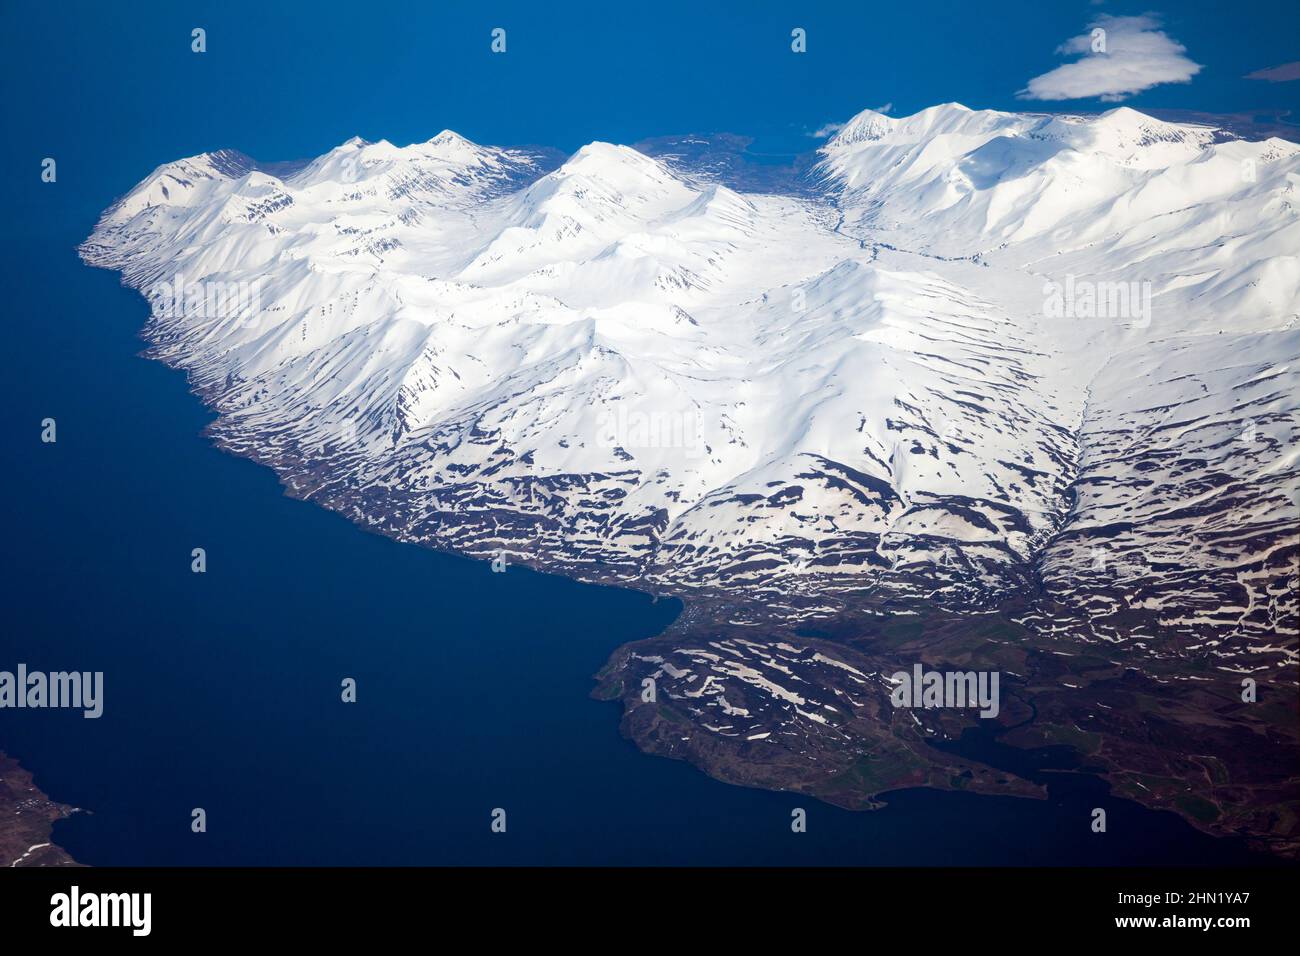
(222, 690)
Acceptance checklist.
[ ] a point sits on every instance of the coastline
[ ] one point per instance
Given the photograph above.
(27, 818)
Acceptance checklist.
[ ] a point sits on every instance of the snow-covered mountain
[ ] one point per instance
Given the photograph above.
(993, 354)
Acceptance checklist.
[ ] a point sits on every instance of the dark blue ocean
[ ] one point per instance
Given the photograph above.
(222, 689)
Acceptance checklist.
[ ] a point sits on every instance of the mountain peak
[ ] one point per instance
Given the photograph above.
(866, 126)
(601, 149)
(449, 141)
(1126, 116)
(610, 160)
(1126, 129)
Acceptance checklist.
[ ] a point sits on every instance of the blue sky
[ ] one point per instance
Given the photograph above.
(117, 84)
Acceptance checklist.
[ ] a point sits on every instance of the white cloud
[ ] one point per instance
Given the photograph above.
(1120, 56)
